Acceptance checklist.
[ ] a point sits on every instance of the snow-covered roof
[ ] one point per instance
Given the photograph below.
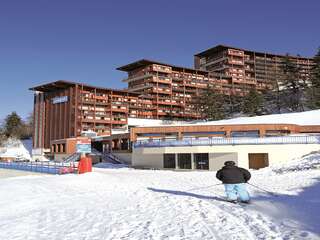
(300, 118)
(140, 122)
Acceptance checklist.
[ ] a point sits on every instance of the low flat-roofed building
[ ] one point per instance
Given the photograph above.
(206, 146)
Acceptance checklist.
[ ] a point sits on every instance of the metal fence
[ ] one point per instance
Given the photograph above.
(41, 167)
(315, 139)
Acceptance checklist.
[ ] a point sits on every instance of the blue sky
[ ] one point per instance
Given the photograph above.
(84, 41)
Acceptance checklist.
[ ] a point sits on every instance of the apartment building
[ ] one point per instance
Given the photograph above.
(245, 68)
(64, 109)
(169, 91)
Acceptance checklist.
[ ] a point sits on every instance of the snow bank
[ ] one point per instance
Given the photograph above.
(15, 148)
(142, 204)
(310, 161)
(300, 118)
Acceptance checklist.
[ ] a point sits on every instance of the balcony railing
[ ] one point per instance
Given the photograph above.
(228, 141)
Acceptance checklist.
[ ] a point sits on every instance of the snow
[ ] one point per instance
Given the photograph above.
(15, 148)
(299, 118)
(138, 122)
(310, 161)
(123, 203)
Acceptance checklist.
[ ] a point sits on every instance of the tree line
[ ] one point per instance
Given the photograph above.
(13, 126)
(293, 91)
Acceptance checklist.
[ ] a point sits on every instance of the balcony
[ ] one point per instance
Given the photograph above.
(165, 80)
(214, 61)
(235, 52)
(140, 87)
(131, 79)
(102, 103)
(159, 68)
(235, 62)
(161, 90)
(228, 141)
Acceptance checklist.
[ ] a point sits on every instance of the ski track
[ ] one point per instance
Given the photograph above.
(118, 204)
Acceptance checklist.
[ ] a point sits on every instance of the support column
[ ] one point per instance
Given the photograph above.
(228, 133)
(192, 161)
(176, 159)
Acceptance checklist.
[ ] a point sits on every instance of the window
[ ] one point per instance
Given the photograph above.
(169, 160)
(245, 133)
(184, 160)
(201, 161)
(271, 133)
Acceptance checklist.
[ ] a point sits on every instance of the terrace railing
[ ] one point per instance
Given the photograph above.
(42, 167)
(315, 139)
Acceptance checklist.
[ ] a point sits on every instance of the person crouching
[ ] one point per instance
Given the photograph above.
(234, 179)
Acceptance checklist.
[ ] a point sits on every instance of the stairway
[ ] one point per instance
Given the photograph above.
(72, 158)
(111, 158)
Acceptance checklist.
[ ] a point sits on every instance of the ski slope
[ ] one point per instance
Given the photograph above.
(144, 204)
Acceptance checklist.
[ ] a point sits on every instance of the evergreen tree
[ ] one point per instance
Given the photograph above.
(253, 103)
(292, 86)
(233, 105)
(210, 104)
(2, 135)
(13, 125)
(314, 90)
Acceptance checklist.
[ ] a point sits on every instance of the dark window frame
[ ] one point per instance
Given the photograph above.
(167, 162)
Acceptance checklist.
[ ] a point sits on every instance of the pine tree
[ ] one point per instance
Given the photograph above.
(253, 103)
(233, 105)
(13, 125)
(292, 86)
(210, 104)
(314, 90)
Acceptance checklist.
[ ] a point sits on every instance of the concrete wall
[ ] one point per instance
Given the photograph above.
(124, 157)
(60, 157)
(216, 160)
(277, 153)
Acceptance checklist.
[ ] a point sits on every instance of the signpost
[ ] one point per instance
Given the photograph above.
(84, 145)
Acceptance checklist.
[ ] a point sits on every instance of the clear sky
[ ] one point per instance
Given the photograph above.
(85, 40)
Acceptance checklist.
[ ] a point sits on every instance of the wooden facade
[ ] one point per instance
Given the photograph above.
(64, 109)
(244, 69)
(169, 91)
(179, 132)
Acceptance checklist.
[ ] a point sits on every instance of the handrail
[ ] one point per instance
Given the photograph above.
(112, 157)
(41, 167)
(229, 141)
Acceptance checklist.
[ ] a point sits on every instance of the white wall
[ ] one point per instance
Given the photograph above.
(277, 153)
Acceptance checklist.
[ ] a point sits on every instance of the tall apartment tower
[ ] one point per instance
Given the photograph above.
(167, 91)
(64, 109)
(245, 68)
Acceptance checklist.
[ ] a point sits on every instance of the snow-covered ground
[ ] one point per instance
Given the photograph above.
(144, 204)
(15, 148)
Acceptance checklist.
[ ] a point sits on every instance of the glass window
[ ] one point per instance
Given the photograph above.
(201, 161)
(245, 133)
(169, 160)
(184, 160)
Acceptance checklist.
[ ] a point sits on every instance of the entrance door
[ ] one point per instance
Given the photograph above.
(258, 160)
(201, 161)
